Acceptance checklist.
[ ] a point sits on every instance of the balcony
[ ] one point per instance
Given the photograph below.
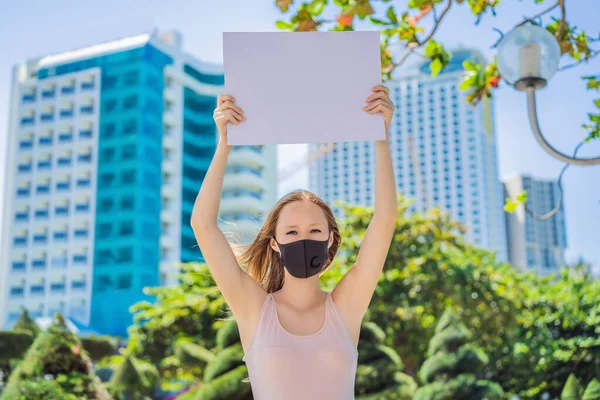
(20, 241)
(84, 183)
(17, 292)
(66, 113)
(28, 98)
(84, 158)
(63, 186)
(61, 210)
(87, 86)
(66, 90)
(44, 164)
(61, 236)
(40, 238)
(57, 287)
(81, 233)
(27, 121)
(82, 207)
(37, 290)
(24, 168)
(22, 192)
(86, 110)
(42, 189)
(64, 162)
(47, 117)
(78, 285)
(38, 264)
(79, 259)
(65, 137)
(18, 266)
(26, 144)
(41, 214)
(22, 216)
(243, 203)
(244, 179)
(45, 141)
(85, 133)
(250, 155)
(48, 94)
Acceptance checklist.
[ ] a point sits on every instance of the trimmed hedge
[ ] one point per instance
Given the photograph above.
(14, 345)
(99, 347)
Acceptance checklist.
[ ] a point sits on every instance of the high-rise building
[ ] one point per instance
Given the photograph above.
(443, 150)
(533, 244)
(107, 149)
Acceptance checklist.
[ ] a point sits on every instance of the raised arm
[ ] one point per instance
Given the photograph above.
(354, 292)
(242, 293)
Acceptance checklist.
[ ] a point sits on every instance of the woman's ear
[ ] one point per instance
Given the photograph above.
(330, 240)
(273, 245)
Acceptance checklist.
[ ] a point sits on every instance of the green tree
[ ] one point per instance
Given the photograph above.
(26, 324)
(378, 374)
(225, 375)
(574, 390)
(403, 23)
(56, 355)
(191, 310)
(451, 370)
(133, 379)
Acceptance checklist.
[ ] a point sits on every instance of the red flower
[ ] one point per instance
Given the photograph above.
(494, 81)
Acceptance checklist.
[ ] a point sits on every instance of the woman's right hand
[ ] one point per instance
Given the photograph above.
(225, 112)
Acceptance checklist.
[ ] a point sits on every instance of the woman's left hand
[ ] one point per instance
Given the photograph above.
(380, 101)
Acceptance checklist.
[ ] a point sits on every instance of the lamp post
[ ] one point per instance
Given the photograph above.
(527, 58)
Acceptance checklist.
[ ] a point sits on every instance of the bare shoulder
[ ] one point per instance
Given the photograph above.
(255, 297)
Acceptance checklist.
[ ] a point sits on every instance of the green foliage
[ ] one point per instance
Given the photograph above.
(55, 355)
(133, 379)
(451, 369)
(191, 354)
(190, 311)
(378, 374)
(224, 375)
(406, 27)
(26, 324)
(43, 389)
(98, 347)
(13, 345)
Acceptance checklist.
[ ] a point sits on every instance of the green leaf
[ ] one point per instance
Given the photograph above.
(597, 103)
(592, 392)
(469, 66)
(522, 197)
(573, 389)
(316, 7)
(377, 21)
(436, 66)
(284, 25)
(392, 15)
(510, 206)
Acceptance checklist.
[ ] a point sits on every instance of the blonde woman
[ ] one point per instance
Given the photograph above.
(299, 341)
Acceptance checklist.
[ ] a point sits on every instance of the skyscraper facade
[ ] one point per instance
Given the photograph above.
(107, 148)
(536, 245)
(443, 150)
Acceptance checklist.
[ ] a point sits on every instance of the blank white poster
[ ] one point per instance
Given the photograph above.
(302, 87)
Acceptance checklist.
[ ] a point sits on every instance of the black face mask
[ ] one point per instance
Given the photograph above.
(303, 258)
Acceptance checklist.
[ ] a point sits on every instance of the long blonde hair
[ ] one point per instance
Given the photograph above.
(259, 259)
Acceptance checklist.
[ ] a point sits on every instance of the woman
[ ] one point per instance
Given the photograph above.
(299, 342)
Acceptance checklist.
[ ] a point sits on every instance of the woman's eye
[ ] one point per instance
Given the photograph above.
(291, 232)
(316, 230)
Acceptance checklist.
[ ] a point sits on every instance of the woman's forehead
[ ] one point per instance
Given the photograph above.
(301, 213)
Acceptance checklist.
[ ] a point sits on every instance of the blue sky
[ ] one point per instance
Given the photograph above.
(34, 28)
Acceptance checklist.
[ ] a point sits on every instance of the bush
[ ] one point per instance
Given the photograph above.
(55, 355)
(98, 347)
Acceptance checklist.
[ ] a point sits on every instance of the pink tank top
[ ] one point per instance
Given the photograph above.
(286, 366)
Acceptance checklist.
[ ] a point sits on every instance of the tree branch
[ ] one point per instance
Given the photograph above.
(437, 24)
(527, 20)
(536, 16)
(563, 20)
(592, 55)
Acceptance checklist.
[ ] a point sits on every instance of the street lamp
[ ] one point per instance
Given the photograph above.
(527, 58)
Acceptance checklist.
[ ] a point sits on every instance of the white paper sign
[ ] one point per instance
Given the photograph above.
(302, 87)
